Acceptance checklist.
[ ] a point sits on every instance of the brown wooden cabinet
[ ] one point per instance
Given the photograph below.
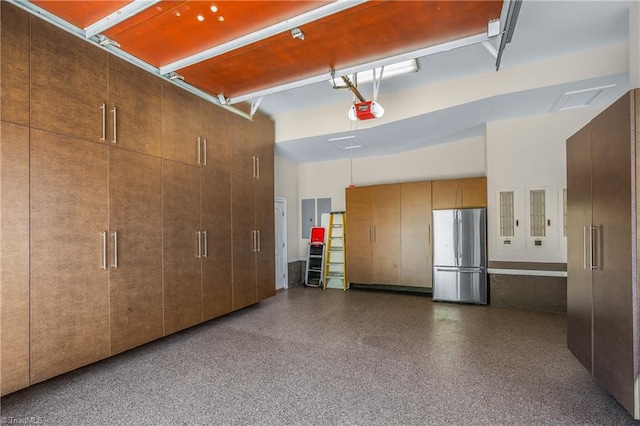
(373, 239)
(181, 248)
(602, 171)
(83, 175)
(359, 238)
(415, 234)
(252, 206)
(14, 255)
(14, 64)
(134, 108)
(69, 275)
(459, 193)
(135, 221)
(68, 84)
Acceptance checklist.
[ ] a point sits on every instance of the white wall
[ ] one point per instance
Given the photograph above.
(464, 158)
(634, 45)
(286, 186)
(530, 153)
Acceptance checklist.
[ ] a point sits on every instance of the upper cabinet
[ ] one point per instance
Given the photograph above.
(134, 102)
(181, 140)
(14, 64)
(252, 152)
(459, 193)
(68, 84)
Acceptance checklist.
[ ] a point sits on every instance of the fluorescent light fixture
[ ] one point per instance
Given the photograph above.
(393, 70)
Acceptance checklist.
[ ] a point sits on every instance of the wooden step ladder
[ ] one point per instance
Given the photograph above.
(335, 273)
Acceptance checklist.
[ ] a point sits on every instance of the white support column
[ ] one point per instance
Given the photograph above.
(634, 45)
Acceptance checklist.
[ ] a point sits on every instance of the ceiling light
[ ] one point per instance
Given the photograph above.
(176, 12)
(220, 18)
(200, 18)
(393, 70)
(214, 8)
(347, 142)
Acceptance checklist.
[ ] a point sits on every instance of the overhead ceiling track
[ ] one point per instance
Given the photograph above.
(467, 41)
(118, 16)
(513, 11)
(296, 21)
(64, 25)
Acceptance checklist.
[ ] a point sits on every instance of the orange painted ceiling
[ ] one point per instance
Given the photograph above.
(170, 30)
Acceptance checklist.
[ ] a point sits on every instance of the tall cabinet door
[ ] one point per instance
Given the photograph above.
(243, 241)
(265, 256)
(387, 257)
(181, 248)
(359, 235)
(14, 256)
(135, 221)
(415, 234)
(579, 280)
(216, 221)
(14, 64)
(134, 108)
(69, 279)
(613, 298)
(68, 83)
(181, 121)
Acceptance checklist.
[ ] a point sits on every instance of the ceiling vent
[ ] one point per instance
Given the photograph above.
(582, 98)
(347, 142)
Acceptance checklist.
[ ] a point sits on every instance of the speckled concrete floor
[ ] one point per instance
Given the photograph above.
(310, 357)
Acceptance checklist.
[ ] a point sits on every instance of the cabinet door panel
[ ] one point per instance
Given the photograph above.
(216, 220)
(68, 83)
(243, 225)
(359, 235)
(180, 124)
(69, 287)
(472, 192)
(14, 64)
(264, 147)
(181, 274)
(416, 234)
(136, 95)
(135, 213)
(579, 280)
(242, 147)
(444, 194)
(14, 256)
(613, 320)
(216, 124)
(387, 246)
(266, 267)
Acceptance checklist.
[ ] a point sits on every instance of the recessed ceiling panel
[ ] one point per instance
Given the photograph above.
(362, 34)
(172, 30)
(81, 13)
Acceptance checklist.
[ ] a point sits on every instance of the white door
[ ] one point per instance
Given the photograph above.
(281, 243)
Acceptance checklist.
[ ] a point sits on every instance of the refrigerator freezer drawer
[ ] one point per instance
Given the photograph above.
(466, 285)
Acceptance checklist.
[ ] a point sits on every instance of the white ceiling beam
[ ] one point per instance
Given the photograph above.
(478, 38)
(296, 21)
(118, 16)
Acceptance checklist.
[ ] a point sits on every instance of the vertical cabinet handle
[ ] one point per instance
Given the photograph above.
(254, 166)
(375, 234)
(259, 241)
(115, 125)
(258, 167)
(198, 158)
(104, 122)
(592, 247)
(369, 234)
(584, 247)
(104, 250)
(429, 234)
(205, 244)
(204, 153)
(199, 244)
(115, 249)
(253, 241)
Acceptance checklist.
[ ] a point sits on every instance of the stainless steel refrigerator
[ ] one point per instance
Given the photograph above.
(460, 256)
